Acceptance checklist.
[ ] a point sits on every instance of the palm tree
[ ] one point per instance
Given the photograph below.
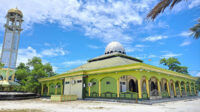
(196, 30)
(160, 7)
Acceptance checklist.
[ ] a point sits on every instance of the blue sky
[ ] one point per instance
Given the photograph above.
(69, 32)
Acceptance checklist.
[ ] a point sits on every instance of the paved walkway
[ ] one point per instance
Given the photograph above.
(45, 105)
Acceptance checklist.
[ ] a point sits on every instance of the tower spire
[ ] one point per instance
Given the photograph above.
(11, 38)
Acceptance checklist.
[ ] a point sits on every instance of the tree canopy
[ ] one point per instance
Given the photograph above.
(28, 74)
(1, 65)
(174, 65)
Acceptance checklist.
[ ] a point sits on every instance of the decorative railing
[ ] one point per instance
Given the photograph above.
(177, 91)
(109, 95)
(128, 95)
(94, 94)
(184, 93)
(144, 95)
(122, 95)
(165, 94)
(154, 92)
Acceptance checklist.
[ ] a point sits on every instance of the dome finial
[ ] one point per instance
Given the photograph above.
(114, 47)
(15, 10)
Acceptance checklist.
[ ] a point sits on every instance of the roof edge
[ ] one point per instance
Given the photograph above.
(115, 55)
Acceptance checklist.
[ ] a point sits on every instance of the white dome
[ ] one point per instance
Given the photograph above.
(114, 47)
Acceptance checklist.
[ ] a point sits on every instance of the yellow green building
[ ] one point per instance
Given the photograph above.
(116, 75)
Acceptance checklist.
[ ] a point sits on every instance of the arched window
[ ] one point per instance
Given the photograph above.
(133, 86)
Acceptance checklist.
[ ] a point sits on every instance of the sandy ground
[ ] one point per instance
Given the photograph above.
(45, 105)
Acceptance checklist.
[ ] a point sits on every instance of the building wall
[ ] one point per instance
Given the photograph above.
(72, 86)
(143, 77)
(108, 84)
(114, 79)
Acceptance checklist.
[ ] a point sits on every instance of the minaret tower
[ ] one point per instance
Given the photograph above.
(10, 49)
(11, 38)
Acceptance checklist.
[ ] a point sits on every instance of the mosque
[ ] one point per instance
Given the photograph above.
(115, 75)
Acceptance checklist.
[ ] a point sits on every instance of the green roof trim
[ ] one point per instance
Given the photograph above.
(116, 54)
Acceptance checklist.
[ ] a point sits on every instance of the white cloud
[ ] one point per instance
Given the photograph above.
(170, 54)
(185, 34)
(195, 73)
(198, 74)
(194, 3)
(155, 38)
(137, 47)
(145, 56)
(53, 52)
(129, 49)
(47, 44)
(93, 46)
(106, 20)
(185, 43)
(151, 26)
(152, 56)
(55, 68)
(74, 62)
(28, 53)
(25, 54)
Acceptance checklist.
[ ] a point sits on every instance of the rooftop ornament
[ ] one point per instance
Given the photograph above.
(114, 47)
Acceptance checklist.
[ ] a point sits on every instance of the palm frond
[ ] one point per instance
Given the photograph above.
(174, 3)
(160, 7)
(196, 30)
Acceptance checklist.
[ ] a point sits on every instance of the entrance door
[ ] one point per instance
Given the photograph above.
(133, 86)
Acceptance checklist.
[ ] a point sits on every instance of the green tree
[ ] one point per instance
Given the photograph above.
(174, 65)
(28, 74)
(22, 72)
(1, 65)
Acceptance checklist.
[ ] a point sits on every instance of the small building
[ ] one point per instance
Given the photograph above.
(116, 75)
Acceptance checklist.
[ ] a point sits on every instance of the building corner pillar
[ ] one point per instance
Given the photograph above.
(174, 86)
(89, 90)
(185, 89)
(118, 89)
(61, 89)
(99, 88)
(190, 89)
(48, 89)
(179, 85)
(55, 88)
(42, 89)
(158, 83)
(139, 89)
(195, 89)
(147, 88)
(168, 89)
